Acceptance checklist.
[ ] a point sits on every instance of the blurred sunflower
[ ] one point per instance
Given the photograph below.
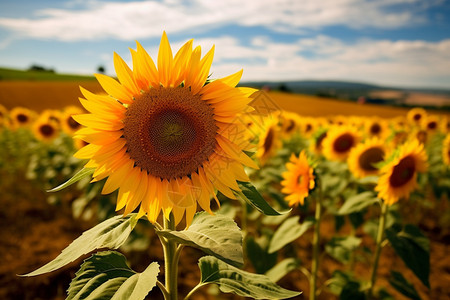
(416, 115)
(269, 140)
(376, 127)
(45, 129)
(339, 141)
(308, 126)
(164, 135)
(290, 123)
(52, 114)
(3, 115)
(399, 176)
(21, 117)
(68, 124)
(421, 135)
(298, 180)
(444, 125)
(362, 158)
(430, 124)
(446, 150)
(316, 144)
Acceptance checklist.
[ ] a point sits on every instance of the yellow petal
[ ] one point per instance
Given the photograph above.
(115, 180)
(165, 61)
(115, 89)
(125, 75)
(97, 122)
(147, 66)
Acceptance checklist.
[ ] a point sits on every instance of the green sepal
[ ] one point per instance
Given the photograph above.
(250, 195)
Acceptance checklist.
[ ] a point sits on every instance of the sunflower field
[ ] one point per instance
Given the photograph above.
(173, 185)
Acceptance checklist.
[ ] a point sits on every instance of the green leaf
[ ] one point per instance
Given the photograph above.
(77, 177)
(288, 232)
(414, 249)
(250, 195)
(282, 268)
(341, 248)
(403, 286)
(215, 235)
(111, 233)
(257, 254)
(106, 275)
(241, 283)
(357, 203)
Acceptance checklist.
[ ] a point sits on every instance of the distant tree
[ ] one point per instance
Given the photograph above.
(283, 88)
(39, 68)
(101, 69)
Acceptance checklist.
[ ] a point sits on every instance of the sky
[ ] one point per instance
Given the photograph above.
(399, 43)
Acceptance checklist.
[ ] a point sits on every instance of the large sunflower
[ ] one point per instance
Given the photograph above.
(362, 158)
(165, 135)
(298, 180)
(339, 141)
(446, 150)
(399, 175)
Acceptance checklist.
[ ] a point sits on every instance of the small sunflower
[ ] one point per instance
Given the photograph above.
(45, 129)
(21, 117)
(399, 176)
(362, 158)
(308, 126)
(165, 134)
(376, 127)
(52, 115)
(446, 150)
(416, 115)
(444, 125)
(316, 143)
(68, 124)
(290, 123)
(339, 141)
(298, 180)
(430, 124)
(269, 141)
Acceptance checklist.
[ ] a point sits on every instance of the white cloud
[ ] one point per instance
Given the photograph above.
(143, 19)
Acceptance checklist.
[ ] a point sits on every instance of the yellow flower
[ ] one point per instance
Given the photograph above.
(53, 115)
(290, 123)
(399, 176)
(430, 123)
(339, 141)
(316, 143)
(446, 150)
(362, 158)
(165, 135)
(269, 141)
(68, 124)
(298, 179)
(21, 117)
(308, 126)
(45, 129)
(444, 125)
(416, 115)
(376, 127)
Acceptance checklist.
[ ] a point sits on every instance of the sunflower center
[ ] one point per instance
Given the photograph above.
(432, 125)
(375, 129)
(417, 117)
(319, 140)
(370, 157)
(403, 172)
(343, 143)
(169, 132)
(308, 128)
(46, 130)
(22, 118)
(268, 141)
(290, 127)
(300, 179)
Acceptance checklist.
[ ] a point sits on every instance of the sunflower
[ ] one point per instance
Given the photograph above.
(416, 115)
(444, 125)
(68, 124)
(376, 127)
(21, 117)
(3, 115)
(52, 115)
(290, 123)
(362, 158)
(399, 176)
(308, 126)
(430, 124)
(316, 143)
(165, 134)
(45, 129)
(339, 141)
(446, 150)
(298, 180)
(269, 141)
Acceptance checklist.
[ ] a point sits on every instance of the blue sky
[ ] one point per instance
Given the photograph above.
(387, 42)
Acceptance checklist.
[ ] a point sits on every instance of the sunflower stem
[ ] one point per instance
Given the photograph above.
(379, 241)
(171, 256)
(315, 258)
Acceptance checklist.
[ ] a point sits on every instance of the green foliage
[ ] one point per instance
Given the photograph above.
(403, 286)
(341, 248)
(239, 282)
(12, 74)
(106, 275)
(413, 248)
(111, 234)
(215, 235)
(289, 231)
(85, 172)
(357, 203)
(282, 268)
(257, 253)
(250, 195)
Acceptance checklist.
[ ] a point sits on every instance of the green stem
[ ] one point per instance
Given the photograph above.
(198, 286)
(315, 258)
(171, 256)
(379, 241)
